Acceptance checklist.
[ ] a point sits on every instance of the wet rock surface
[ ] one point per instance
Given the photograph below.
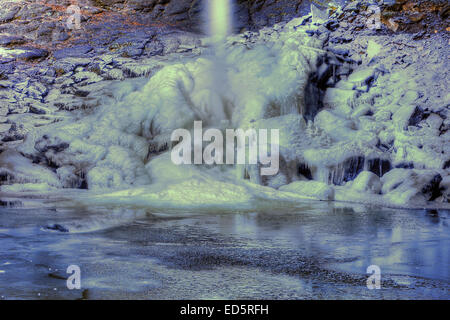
(379, 94)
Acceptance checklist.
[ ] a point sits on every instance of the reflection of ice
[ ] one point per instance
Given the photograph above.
(95, 220)
(315, 251)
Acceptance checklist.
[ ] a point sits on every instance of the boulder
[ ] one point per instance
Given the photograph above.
(408, 187)
(367, 181)
(86, 77)
(339, 99)
(70, 64)
(313, 189)
(72, 52)
(445, 188)
(25, 53)
(363, 76)
(8, 12)
(434, 121)
(115, 74)
(407, 115)
(15, 168)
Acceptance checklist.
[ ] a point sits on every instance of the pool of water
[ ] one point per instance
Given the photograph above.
(314, 251)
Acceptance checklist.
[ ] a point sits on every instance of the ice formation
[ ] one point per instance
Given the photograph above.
(330, 149)
(114, 147)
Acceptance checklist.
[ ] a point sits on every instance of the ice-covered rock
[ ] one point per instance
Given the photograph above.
(86, 77)
(341, 99)
(314, 189)
(363, 76)
(406, 115)
(15, 168)
(66, 65)
(338, 127)
(139, 69)
(118, 133)
(27, 187)
(420, 146)
(69, 177)
(112, 146)
(318, 15)
(410, 187)
(373, 49)
(115, 74)
(445, 188)
(434, 121)
(367, 181)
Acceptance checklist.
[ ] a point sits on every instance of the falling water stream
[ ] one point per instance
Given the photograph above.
(220, 19)
(218, 27)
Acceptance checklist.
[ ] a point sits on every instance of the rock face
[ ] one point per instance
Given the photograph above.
(188, 13)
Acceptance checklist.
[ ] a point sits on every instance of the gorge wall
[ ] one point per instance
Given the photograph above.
(188, 13)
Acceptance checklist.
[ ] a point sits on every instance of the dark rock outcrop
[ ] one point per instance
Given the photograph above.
(249, 14)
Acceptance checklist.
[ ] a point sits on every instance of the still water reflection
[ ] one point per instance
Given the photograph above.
(315, 251)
